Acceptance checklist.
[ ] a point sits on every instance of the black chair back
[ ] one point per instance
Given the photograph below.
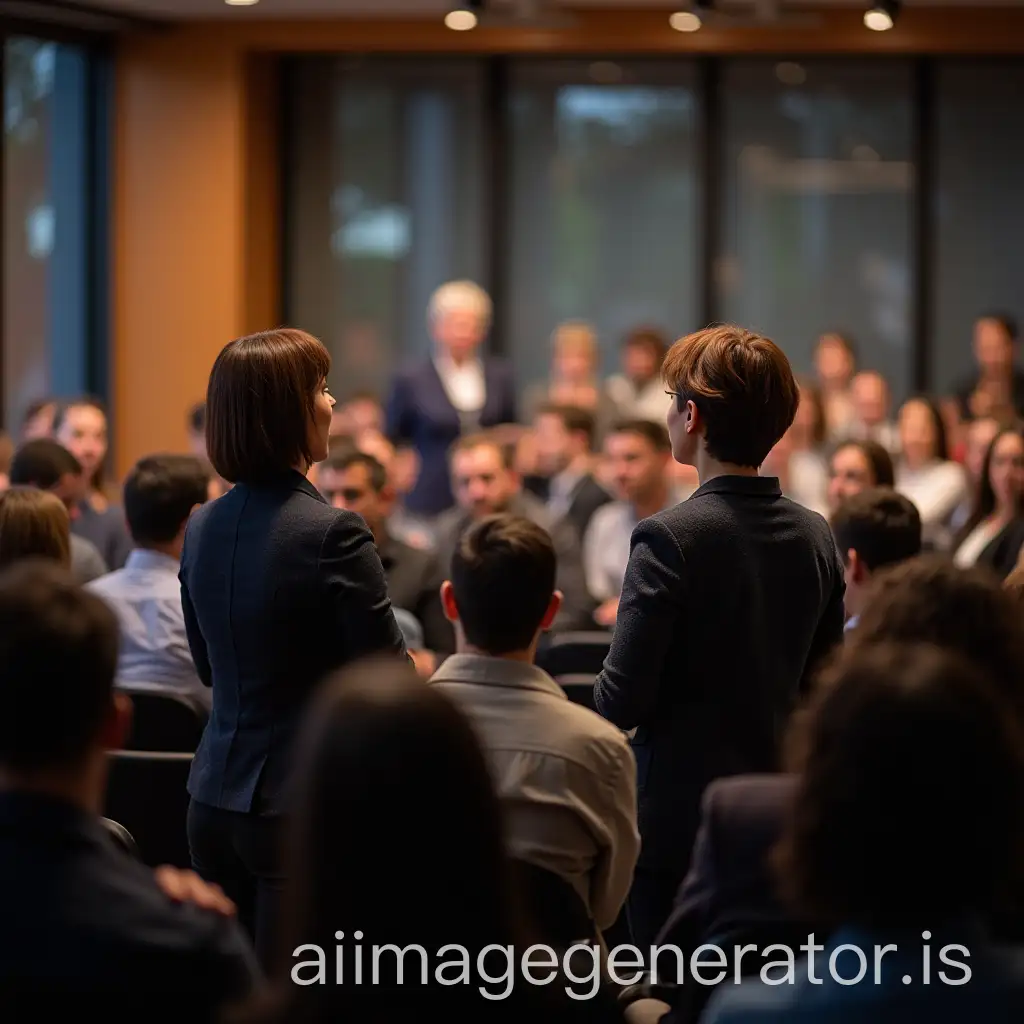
(165, 722)
(146, 793)
(579, 688)
(567, 654)
(122, 838)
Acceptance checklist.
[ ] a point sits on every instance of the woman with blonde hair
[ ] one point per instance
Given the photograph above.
(33, 524)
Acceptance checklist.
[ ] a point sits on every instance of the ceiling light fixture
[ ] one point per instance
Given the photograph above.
(684, 21)
(464, 17)
(882, 16)
(241, 3)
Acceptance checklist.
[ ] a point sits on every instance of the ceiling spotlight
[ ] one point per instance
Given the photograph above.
(684, 21)
(241, 3)
(463, 18)
(882, 16)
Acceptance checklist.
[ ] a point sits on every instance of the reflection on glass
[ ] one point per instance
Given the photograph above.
(603, 217)
(816, 207)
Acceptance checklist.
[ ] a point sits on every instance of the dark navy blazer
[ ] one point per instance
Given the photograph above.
(420, 412)
(278, 589)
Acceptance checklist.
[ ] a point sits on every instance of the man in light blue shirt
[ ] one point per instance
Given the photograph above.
(159, 496)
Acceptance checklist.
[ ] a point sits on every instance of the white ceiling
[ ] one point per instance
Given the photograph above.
(435, 8)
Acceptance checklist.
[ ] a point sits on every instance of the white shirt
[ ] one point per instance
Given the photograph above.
(464, 384)
(606, 549)
(936, 489)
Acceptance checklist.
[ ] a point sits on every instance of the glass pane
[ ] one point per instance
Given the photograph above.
(817, 203)
(980, 153)
(604, 216)
(384, 202)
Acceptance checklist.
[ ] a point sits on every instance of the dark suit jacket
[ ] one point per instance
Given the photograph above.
(587, 497)
(729, 599)
(577, 611)
(85, 926)
(420, 413)
(730, 883)
(1001, 553)
(278, 589)
(414, 583)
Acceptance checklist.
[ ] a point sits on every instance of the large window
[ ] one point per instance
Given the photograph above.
(49, 302)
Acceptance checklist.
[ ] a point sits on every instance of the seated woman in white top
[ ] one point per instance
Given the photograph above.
(925, 473)
(994, 532)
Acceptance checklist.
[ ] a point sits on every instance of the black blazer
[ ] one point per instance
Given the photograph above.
(420, 413)
(1001, 553)
(278, 588)
(414, 583)
(729, 599)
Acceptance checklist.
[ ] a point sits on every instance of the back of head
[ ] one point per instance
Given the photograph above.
(43, 463)
(882, 526)
(384, 759)
(930, 600)
(58, 648)
(260, 401)
(503, 578)
(33, 524)
(885, 832)
(160, 493)
(743, 386)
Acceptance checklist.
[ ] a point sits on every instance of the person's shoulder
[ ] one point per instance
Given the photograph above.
(108, 585)
(762, 797)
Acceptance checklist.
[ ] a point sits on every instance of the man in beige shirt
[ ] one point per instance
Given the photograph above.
(566, 777)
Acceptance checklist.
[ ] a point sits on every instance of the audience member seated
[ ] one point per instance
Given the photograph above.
(81, 426)
(38, 420)
(638, 453)
(994, 533)
(925, 473)
(872, 406)
(49, 466)
(485, 484)
(564, 445)
(638, 391)
(197, 446)
(575, 379)
(567, 778)
(834, 365)
(359, 483)
(453, 392)
(874, 530)
(886, 847)
(996, 388)
(160, 494)
(83, 924)
(33, 524)
(797, 460)
(978, 435)
(855, 466)
(924, 600)
(356, 414)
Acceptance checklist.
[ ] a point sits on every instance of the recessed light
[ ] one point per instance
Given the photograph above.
(241, 3)
(684, 21)
(460, 20)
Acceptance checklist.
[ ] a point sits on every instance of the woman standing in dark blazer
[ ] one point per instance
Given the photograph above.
(278, 589)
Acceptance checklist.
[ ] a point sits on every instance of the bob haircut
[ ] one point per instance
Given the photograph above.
(33, 524)
(259, 403)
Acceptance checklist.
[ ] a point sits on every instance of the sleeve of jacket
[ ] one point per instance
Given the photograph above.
(358, 591)
(577, 610)
(627, 688)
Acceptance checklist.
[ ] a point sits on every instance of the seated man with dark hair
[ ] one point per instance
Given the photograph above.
(81, 920)
(874, 529)
(566, 777)
(159, 496)
(45, 464)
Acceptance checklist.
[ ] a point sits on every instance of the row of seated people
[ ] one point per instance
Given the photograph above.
(872, 849)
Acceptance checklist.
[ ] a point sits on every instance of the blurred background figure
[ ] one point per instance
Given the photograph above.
(856, 466)
(638, 390)
(33, 524)
(872, 409)
(997, 387)
(216, 485)
(977, 436)
(6, 454)
(834, 364)
(359, 412)
(38, 419)
(797, 459)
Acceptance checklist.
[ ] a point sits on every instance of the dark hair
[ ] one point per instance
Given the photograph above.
(35, 407)
(941, 442)
(197, 418)
(883, 833)
(648, 337)
(575, 419)
(58, 647)
(655, 434)
(503, 575)
(367, 725)
(486, 439)
(43, 463)
(159, 495)
(348, 457)
(1007, 321)
(742, 385)
(33, 524)
(98, 480)
(883, 527)
(983, 503)
(930, 600)
(877, 457)
(259, 402)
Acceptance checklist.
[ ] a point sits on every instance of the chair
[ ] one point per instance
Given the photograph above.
(579, 688)
(574, 653)
(146, 793)
(165, 721)
(122, 838)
